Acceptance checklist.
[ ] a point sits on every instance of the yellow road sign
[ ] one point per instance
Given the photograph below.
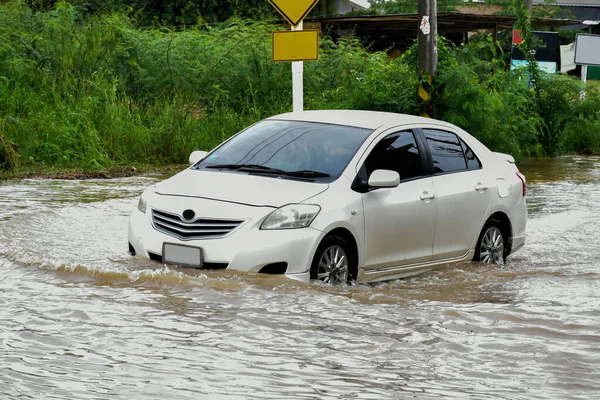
(296, 45)
(293, 11)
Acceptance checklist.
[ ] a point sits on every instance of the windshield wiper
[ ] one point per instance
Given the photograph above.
(247, 167)
(306, 173)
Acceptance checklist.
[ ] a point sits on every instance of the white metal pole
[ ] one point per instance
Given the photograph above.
(583, 80)
(298, 80)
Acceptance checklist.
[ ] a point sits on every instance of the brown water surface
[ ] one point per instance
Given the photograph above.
(80, 319)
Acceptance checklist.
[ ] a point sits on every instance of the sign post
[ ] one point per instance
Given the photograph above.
(298, 81)
(296, 45)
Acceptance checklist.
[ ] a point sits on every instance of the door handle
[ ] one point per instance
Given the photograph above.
(480, 187)
(427, 196)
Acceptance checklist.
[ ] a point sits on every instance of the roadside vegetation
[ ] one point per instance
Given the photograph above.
(94, 91)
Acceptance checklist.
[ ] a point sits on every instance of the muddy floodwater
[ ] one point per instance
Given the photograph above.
(81, 319)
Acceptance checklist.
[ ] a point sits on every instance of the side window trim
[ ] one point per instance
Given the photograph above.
(426, 157)
(464, 145)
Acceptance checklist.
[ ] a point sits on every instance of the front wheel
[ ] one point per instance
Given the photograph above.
(333, 262)
(490, 246)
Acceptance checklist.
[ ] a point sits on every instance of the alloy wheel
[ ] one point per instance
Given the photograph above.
(492, 246)
(333, 266)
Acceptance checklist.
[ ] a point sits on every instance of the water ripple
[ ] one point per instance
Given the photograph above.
(80, 319)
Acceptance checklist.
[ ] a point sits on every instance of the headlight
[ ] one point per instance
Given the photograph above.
(292, 216)
(142, 204)
(143, 201)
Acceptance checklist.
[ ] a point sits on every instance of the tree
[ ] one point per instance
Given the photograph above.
(170, 12)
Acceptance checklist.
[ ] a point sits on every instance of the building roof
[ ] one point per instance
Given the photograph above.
(573, 3)
(447, 22)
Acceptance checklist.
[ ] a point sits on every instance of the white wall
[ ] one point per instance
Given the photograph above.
(354, 5)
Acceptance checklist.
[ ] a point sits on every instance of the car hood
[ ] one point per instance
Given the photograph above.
(239, 187)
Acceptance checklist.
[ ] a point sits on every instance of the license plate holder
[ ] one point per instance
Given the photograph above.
(182, 255)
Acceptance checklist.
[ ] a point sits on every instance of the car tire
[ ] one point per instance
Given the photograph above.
(334, 262)
(491, 246)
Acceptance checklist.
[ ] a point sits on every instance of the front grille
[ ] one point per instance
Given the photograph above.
(200, 228)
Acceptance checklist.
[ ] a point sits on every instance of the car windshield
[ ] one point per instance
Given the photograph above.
(289, 148)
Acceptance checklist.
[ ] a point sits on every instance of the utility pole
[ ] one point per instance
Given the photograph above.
(529, 6)
(428, 57)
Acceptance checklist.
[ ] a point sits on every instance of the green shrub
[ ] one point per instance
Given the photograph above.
(582, 131)
(9, 158)
(349, 76)
(93, 91)
(556, 101)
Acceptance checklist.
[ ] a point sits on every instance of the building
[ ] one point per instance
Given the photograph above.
(587, 11)
(390, 32)
(352, 5)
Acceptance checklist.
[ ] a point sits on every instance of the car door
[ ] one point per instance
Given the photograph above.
(462, 191)
(399, 221)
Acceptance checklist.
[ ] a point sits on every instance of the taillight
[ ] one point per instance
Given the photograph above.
(524, 182)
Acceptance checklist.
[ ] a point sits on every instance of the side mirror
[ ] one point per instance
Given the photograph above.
(384, 178)
(197, 156)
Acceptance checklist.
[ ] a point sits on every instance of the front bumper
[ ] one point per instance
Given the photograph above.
(246, 249)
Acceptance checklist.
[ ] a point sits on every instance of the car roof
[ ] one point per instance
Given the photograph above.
(359, 119)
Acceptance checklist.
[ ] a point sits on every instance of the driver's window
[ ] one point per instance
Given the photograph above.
(397, 152)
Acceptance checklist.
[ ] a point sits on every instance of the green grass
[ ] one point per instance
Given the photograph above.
(96, 92)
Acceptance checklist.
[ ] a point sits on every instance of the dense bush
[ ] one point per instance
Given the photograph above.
(95, 91)
(349, 76)
(478, 93)
(582, 130)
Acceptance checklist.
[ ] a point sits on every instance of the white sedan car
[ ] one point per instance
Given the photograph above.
(338, 196)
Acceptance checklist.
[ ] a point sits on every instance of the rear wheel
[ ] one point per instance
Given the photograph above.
(490, 246)
(333, 262)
